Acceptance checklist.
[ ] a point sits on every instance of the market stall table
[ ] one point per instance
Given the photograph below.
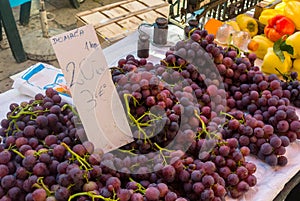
(271, 181)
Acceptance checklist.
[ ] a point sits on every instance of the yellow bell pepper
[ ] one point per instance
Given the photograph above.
(271, 61)
(289, 0)
(294, 41)
(280, 7)
(263, 44)
(268, 14)
(234, 24)
(247, 23)
(292, 11)
(296, 66)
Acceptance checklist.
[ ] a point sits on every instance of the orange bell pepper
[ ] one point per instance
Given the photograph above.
(279, 26)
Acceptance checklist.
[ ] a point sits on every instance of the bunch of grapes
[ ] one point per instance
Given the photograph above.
(291, 86)
(157, 106)
(258, 137)
(43, 154)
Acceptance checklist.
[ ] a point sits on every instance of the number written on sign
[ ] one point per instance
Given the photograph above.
(83, 75)
(84, 79)
(91, 98)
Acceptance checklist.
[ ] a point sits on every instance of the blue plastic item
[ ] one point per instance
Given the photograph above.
(14, 3)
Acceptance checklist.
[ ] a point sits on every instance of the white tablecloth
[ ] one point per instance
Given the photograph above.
(270, 180)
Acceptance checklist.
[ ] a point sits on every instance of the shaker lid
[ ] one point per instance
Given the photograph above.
(193, 23)
(161, 21)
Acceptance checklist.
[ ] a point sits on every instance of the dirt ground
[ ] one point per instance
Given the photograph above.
(63, 17)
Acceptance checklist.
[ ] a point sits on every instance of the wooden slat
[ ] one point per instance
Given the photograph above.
(110, 31)
(94, 18)
(130, 23)
(164, 11)
(151, 3)
(150, 16)
(134, 6)
(113, 22)
(115, 13)
(130, 15)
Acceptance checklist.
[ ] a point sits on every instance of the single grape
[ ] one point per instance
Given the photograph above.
(39, 194)
(152, 194)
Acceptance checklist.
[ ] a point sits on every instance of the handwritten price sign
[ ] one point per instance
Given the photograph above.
(86, 72)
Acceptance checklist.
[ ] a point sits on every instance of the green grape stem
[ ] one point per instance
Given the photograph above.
(210, 135)
(18, 112)
(202, 125)
(41, 151)
(232, 117)
(68, 106)
(81, 160)
(191, 32)
(285, 76)
(40, 184)
(161, 152)
(17, 152)
(128, 151)
(141, 189)
(12, 148)
(136, 122)
(92, 195)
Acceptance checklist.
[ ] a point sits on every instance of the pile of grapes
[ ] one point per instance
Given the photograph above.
(195, 117)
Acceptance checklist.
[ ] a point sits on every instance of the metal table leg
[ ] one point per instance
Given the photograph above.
(12, 33)
(25, 13)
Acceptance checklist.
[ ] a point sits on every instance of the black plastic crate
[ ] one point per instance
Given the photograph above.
(204, 10)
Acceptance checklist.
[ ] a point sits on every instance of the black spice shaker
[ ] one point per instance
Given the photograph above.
(160, 36)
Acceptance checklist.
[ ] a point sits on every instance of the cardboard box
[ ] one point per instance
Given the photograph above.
(265, 4)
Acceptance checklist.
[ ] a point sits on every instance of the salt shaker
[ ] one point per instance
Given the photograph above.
(143, 46)
(160, 35)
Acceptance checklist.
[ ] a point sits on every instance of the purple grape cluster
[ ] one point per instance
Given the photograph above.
(258, 137)
(159, 102)
(228, 158)
(291, 84)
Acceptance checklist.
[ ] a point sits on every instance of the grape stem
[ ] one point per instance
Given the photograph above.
(210, 135)
(172, 67)
(27, 109)
(40, 184)
(161, 152)
(232, 117)
(140, 189)
(203, 126)
(68, 106)
(81, 160)
(128, 151)
(12, 148)
(191, 31)
(284, 75)
(39, 152)
(92, 195)
(18, 112)
(137, 122)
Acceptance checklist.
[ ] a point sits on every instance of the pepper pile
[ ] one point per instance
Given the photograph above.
(279, 47)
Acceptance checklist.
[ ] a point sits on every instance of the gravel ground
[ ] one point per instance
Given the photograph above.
(64, 18)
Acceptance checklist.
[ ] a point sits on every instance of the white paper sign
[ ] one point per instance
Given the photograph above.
(71, 48)
(85, 68)
(98, 100)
